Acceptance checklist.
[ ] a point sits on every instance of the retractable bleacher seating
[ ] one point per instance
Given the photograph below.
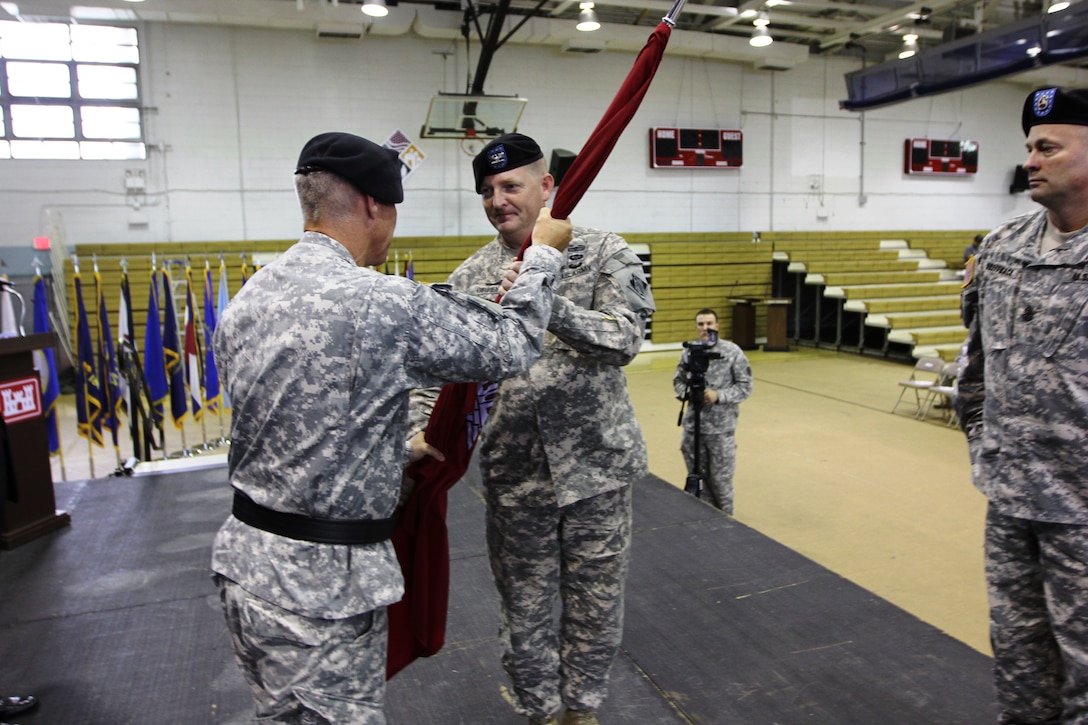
(871, 294)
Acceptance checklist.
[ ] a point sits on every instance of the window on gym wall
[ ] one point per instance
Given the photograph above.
(69, 92)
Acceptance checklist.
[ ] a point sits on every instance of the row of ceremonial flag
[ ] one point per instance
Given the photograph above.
(179, 374)
(177, 364)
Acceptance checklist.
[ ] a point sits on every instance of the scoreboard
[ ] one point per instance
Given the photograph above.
(695, 148)
(932, 156)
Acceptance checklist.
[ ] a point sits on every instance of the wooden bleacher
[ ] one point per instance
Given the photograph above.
(691, 271)
(892, 294)
(868, 291)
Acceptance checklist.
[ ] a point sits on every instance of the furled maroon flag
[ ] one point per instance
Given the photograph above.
(417, 623)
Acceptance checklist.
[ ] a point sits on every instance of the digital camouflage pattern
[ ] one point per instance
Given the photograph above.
(307, 671)
(573, 403)
(1023, 403)
(560, 436)
(318, 356)
(1039, 636)
(528, 543)
(1023, 390)
(731, 376)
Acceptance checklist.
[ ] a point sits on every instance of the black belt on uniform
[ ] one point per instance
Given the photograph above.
(306, 528)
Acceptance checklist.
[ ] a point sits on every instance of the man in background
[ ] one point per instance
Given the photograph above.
(318, 354)
(972, 249)
(1023, 403)
(726, 379)
(560, 450)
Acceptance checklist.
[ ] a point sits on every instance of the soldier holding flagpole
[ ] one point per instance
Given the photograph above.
(319, 354)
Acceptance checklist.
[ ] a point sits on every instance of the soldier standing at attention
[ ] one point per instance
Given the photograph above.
(1023, 402)
(319, 354)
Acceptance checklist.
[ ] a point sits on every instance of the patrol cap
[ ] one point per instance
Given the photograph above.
(508, 151)
(372, 169)
(1053, 105)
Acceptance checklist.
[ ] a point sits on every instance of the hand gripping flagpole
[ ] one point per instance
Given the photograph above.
(417, 624)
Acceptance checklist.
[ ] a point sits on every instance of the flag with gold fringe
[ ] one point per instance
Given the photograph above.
(171, 346)
(88, 389)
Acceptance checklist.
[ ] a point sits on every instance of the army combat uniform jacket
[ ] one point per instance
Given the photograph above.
(573, 402)
(730, 375)
(1023, 392)
(318, 356)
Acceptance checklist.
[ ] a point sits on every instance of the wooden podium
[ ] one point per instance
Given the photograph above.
(34, 514)
(777, 323)
(744, 322)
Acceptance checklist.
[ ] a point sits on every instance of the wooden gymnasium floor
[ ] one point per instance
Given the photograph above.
(848, 589)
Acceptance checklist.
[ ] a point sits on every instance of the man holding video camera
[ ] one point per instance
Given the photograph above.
(714, 377)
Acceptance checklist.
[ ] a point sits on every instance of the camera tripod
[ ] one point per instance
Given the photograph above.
(699, 357)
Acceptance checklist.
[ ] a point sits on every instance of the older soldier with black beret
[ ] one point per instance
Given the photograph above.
(561, 448)
(318, 354)
(1023, 402)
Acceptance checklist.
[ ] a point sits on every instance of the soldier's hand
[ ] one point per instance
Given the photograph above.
(510, 276)
(710, 397)
(554, 233)
(421, 448)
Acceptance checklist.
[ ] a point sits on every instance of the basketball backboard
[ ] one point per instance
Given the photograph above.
(461, 116)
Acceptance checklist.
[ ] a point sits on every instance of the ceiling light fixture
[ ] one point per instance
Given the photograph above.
(375, 8)
(1058, 6)
(587, 18)
(910, 46)
(761, 37)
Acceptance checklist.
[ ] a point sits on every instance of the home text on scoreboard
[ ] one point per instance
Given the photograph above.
(933, 156)
(695, 148)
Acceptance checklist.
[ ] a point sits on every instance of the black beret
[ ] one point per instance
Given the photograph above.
(504, 153)
(1053, 105)
(372, 169)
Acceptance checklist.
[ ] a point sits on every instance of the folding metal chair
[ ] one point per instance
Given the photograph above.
(926, 374)
(944, 392)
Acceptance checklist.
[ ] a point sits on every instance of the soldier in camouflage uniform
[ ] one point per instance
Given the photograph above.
(319, 354)
(1023, 402)
(561, 448)
(728, 384)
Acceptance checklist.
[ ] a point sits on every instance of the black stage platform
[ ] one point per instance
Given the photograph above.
(115, 620)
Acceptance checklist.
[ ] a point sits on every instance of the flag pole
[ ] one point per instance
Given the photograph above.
(82, 377)
(110, 406)
(219, 408)
(670, 17)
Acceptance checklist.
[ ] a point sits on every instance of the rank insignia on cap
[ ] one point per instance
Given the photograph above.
(1044, 101)
(496, 156)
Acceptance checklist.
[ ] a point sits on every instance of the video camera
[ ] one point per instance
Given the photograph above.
(700, 353)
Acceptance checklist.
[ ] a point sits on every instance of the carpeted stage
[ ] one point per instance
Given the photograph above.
(115, 620)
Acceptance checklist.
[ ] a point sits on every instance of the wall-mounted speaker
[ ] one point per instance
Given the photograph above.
(1019, 180)
(561, 161)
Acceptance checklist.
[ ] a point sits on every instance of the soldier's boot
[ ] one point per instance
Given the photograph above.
(550, 720)
(579, 717)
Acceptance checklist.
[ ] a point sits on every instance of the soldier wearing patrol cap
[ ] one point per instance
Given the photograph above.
(1023, 403)
(318, 353)
(561, 448)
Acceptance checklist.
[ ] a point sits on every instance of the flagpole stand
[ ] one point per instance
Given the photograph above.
(33, 513)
